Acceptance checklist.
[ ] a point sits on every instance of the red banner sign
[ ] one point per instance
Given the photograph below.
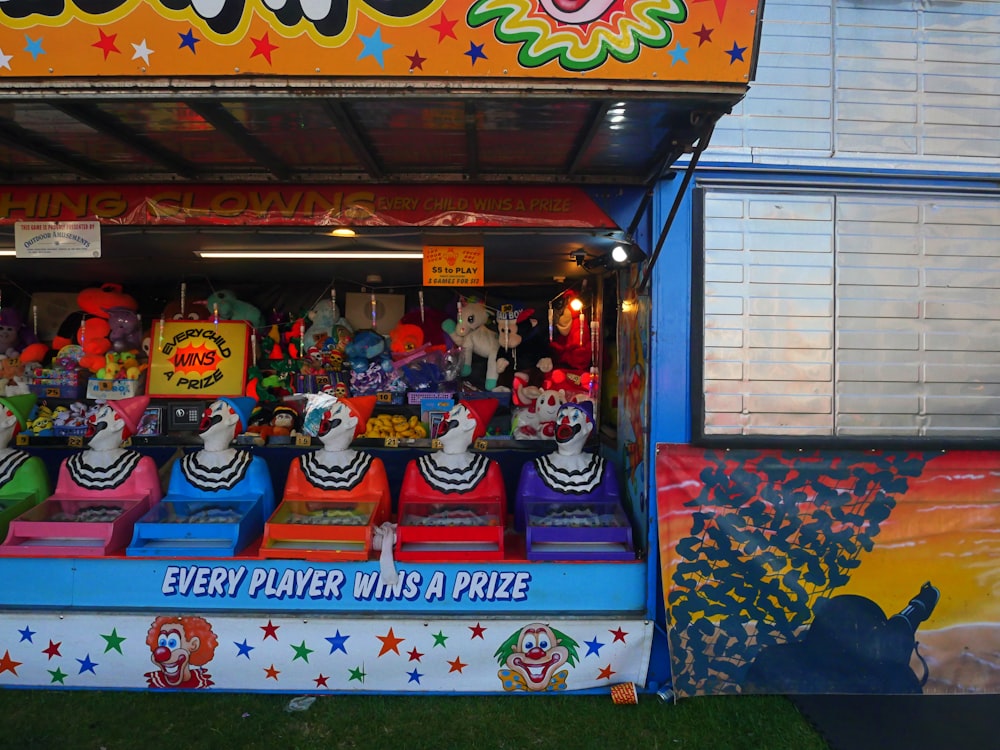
(308, 205)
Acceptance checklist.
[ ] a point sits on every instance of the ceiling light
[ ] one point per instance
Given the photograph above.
(8, 253)
(619, 254)
(343, 232)
(306, 255)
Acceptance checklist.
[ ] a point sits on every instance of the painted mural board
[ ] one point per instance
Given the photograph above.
(650, 40)
(836, 571)
(198, 358)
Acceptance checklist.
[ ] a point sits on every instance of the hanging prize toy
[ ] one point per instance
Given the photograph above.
(551, 320)
(184, 288)
(159, 336)
(583, 324)
(34, 319)
(595, 335)
(374, 313)
(420, 296)
(215, 315)
(333, 299)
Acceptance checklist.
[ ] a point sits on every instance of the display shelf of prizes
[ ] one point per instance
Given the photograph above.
(189, 527)
(321, 530)
(468, 529)
(596, 530)
(62, 526)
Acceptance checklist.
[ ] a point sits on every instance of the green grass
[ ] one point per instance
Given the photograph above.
(84, 720)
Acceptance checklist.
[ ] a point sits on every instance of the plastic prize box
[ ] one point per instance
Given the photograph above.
(567, 530)
(466, 529)
(181, 526)
(13, 505)
(62, 526)
(321, 530)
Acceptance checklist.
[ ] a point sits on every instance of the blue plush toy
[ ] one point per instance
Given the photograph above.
(232, 308)
(370, 363)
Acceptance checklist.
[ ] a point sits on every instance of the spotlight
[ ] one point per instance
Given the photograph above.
(627, 252)
(580, 256)
(619, 254)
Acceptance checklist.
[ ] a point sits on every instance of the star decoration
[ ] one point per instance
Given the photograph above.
(244, 649)
(7, 664)
(389, 642)
(704, 35)
(373, 46)
(720, 6)
(57, 675)
(263, 47)
(477, 631)
(52, 650)
(445, 28)
(142, 51)
(358, 673)
(114, 641)
(321, 680)
(416, 61)
(302, 652)
(270, 630)
(106, 43)
(271, 673)
(414, 676)
(475, 52)
(189, 40)
(26, 634)
(619, 635)
(605, 674)
(439, 639)
(415, 655)
(5, 60)
(456, 666)
(337, 642)
(593, 647)
(34, 46)
(86, 665)
(736, 53)
(678, 54)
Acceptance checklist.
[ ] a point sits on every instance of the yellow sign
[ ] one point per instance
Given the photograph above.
(198, 359)
(445, 265)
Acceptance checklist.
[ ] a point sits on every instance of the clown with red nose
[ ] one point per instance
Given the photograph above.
(569, 474)
(106, 469)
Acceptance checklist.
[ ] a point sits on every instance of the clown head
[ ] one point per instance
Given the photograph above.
(467, 421)
(574, 424)
(105, 428)
(180, 646)
(223, 420)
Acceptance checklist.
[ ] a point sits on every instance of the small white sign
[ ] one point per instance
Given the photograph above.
(57, 239)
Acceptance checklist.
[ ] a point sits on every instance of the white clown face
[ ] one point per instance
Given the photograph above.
(331, 420)
(457, 429)
(572, 427)
(218, 419)
(104, 428)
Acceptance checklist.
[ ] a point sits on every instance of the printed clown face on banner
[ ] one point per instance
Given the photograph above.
(180, 646)
(576, 11)
(535, 659)
(456, 429)
(573, 426)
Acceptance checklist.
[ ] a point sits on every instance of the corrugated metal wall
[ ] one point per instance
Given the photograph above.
(841, 312)
(851, 314)
(912, 83)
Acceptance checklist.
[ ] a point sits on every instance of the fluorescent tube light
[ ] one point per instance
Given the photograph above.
(9, 253)
(306, 255)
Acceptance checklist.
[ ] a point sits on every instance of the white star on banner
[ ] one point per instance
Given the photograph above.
(5, 60)
(141, 50)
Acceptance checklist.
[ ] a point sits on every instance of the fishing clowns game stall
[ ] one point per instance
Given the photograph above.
(325, 371)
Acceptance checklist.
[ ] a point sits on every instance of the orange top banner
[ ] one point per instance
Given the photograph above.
(640, 40)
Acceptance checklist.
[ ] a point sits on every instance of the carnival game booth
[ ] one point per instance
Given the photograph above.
(223, 228)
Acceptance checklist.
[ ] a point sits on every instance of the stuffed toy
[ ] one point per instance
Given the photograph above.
(14, 334)
(322, 319)
(92, 332)
(538, 421)
(405, 338)
(230, 307)
(524, 347)
(370, 363)
(125, 329)
(430, 322)
(472, 334)
(571, 347)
